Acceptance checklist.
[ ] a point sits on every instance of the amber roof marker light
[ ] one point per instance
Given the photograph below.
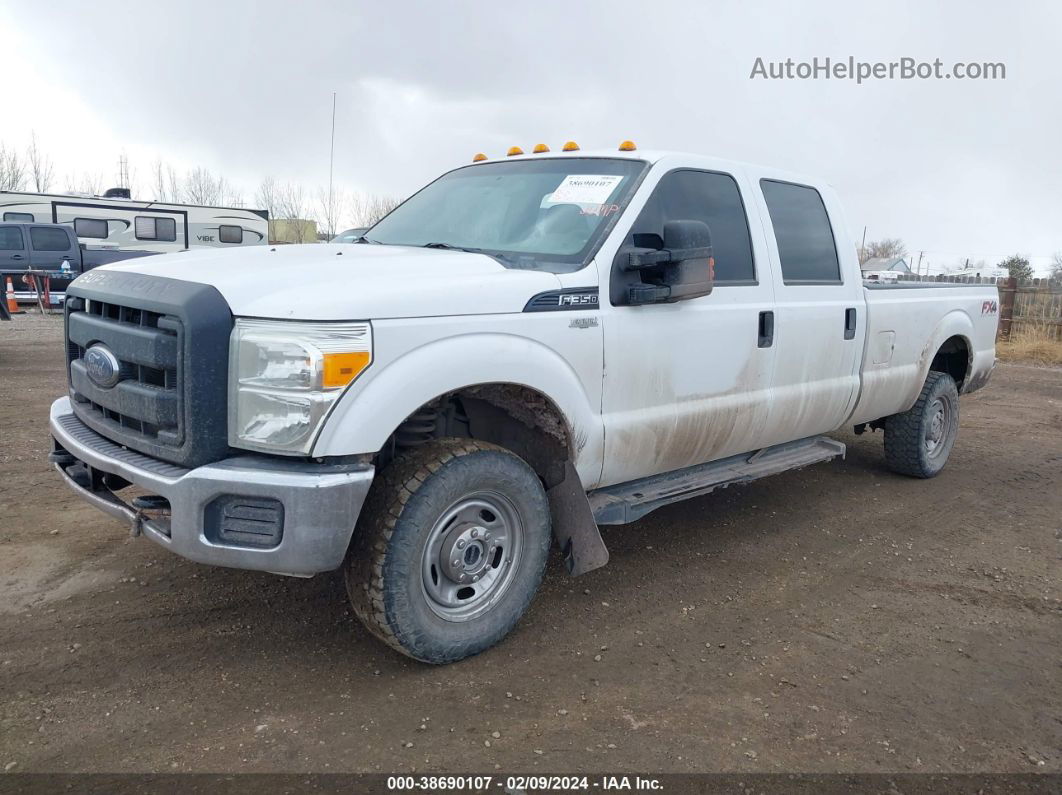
(514, 150)
(478, 157)
(627, 146)
(540, 148)
(570, 146)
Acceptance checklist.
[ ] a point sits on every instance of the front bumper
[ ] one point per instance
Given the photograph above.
(320, 503)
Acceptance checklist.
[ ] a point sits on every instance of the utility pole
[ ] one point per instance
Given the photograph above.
(123, 171)
(331, 160)
(863, 246)
(918, 270)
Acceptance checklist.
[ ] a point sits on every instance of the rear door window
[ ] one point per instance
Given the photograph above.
(49, 238)
(802, 230)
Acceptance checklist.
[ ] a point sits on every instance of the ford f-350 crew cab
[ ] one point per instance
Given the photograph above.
(527, 348)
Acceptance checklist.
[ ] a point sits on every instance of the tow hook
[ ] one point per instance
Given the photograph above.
(144, 503)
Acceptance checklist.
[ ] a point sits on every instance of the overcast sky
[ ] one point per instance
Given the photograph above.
(955, 168)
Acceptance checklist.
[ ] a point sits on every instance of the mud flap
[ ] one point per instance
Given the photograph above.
(574, 526)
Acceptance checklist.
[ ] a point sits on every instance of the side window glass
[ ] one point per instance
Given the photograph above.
(11, 238)
(91, 227)
(705, 196)
(802, 230)
(230, 234)
(49, 238)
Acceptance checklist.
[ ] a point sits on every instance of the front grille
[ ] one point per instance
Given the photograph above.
(147, 399)
(170, 341)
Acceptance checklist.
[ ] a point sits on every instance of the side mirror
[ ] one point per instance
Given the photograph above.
(682, 269)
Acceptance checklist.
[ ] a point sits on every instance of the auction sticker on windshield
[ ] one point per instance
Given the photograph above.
(585, 189)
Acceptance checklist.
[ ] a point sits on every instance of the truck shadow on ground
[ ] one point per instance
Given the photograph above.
(249, 618)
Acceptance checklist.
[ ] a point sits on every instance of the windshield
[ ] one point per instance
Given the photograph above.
(549, 213)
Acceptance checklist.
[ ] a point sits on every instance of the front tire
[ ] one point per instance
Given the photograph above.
(450, 549)
(919, 441)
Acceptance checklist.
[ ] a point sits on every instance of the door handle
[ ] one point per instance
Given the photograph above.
(766, 330)
(850, 323)
(16, 256)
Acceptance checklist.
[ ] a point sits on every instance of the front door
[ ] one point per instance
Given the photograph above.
(689, 382)
(13, 256)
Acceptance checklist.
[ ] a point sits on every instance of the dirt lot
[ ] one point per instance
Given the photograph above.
(836, 619)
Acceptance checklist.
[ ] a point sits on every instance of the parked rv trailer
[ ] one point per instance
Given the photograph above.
(116, 221)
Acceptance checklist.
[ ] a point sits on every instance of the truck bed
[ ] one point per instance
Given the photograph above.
(907, 323)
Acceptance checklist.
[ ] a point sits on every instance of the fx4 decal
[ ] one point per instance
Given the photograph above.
(989, 308)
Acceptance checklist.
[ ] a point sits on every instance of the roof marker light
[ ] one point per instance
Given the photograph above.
(478, 157)
(540, 148)
(514, 150)
(570, 146)
(627, 146)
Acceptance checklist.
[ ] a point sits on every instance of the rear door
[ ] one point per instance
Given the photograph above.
(820, 311)
(50, 245)
(13, 255)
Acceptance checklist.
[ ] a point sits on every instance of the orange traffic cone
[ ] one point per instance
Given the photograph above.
(12, 304)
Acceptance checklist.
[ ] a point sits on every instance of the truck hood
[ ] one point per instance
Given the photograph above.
(350, 281)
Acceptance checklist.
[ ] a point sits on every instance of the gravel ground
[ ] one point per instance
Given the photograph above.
(836, 619)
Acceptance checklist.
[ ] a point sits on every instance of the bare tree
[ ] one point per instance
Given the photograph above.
(267, 197)
(1056, 267)
(368, 208)
(158, 181)
(41, 168)
(12, 171)
(202, 187)
(330, 208)
(294, 207)
(885, 248)
(91, 183)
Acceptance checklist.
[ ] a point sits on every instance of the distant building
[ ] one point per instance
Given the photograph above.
(292, 230)
(896, 264)
(884, 269)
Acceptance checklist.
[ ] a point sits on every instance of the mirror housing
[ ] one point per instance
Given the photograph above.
(682, 269)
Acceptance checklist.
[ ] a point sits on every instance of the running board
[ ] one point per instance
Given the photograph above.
(628, 502)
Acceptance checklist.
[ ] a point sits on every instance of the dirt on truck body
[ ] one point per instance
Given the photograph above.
(841, 618)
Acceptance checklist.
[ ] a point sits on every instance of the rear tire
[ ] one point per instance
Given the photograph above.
(450, 549)
(919, 441)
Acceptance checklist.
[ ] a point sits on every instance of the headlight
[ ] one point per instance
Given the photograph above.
(285, 376)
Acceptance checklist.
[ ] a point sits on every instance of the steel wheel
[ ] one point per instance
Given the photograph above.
(470, 556)
(938, 427)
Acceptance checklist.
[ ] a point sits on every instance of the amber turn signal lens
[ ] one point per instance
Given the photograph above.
(540, 148)
(478, 157)
(627, 146)
(342, 368)
(514, 150)
(570, 146)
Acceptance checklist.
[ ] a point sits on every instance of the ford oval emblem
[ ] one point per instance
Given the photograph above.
(102, 366)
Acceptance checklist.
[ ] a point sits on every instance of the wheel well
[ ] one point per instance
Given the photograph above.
(953, 358)
(512, 416)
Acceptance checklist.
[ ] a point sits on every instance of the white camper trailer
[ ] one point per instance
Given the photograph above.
(115, 221)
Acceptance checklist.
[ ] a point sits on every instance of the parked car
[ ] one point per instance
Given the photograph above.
(527, 348)
(51, 247)
(349, 235)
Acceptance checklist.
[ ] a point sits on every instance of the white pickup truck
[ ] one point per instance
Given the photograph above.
(527, 348)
